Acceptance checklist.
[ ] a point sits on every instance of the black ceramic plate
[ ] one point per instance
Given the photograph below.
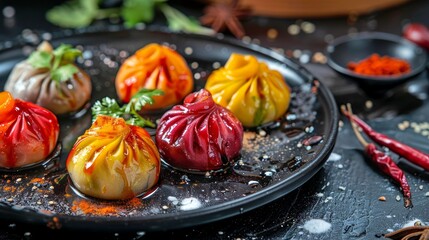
(357, 47)
(275, 159)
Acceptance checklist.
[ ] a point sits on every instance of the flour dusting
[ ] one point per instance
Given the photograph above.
(317, 226)
(334, 157)
(190, 204)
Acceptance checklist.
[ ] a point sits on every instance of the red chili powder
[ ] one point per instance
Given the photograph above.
(9, 189)
(37, 180)
(94, 209)
(380, 66)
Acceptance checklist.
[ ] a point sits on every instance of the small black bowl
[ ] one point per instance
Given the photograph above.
(356, 47)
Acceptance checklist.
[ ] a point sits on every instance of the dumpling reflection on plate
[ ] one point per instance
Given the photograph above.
(113, 160)
(28, 132)
(49, 78)
(199, 135)
(255, 93)
(155, 67)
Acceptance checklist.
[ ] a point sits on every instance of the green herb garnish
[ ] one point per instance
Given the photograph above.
(74, 14)
(108, 106)
(81, 13)
(59, 62)
(178, 21)
(136, 11)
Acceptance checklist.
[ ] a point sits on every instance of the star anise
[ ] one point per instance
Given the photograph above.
(410, 233)
(225, 15)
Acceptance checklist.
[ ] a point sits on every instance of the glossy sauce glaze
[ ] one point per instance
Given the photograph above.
(199, 135)
(155, 67)
(113, 160)
(255, 93)
(29, 132)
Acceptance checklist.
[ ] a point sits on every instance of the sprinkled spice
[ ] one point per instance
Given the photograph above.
(94, 209)
(101, 209)
(9, 189)
(375, 65)
(37, 180)
(134, 203)
(382, 198)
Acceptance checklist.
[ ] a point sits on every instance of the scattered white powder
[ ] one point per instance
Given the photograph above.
(190, 204)
(317, 226)
(411, 223)
(334, 157)
(173, 200)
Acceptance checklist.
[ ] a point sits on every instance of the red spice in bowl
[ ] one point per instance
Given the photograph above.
(375, 65)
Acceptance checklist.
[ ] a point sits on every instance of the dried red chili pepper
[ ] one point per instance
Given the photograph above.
(413, 155)
(389, 167)
(383, 161)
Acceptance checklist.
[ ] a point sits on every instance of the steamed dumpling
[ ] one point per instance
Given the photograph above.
(36, 85)
(28, 133)
(252, 91)
(155, 67)
(113, 160)
(199, 135)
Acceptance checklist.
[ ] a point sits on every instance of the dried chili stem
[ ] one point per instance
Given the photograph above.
(413, 155)
(419, 232)
(383, 161)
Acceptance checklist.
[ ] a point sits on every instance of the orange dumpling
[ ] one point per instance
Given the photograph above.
(155, 67)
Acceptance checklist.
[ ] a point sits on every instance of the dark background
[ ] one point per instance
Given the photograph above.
(355, 212)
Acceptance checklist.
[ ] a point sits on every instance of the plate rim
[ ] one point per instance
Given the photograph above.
(240, 205)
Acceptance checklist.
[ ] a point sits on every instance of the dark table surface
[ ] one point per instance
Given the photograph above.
(345, 193)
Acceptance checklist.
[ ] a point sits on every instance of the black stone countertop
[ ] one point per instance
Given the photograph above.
(345, 192)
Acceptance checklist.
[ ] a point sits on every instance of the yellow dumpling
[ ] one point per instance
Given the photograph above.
(113, 160)
(248, 88)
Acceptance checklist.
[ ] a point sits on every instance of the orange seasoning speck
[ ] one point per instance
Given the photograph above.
(11, 189)
(93, 209)
(37, 180)
(134, 203)
(376, 65)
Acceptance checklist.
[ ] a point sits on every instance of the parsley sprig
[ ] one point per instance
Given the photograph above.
(81, 13)
(109, 106)
(59, 62)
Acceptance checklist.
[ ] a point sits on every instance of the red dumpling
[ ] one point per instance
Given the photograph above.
(28, 132)
(199, 135)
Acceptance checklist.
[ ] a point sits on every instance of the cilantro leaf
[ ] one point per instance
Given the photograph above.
(73, 14)
(64, 72)
(70, 54)
(40, 59)
(177, 21)
(81, 13)
(143, 97)
(65, 54)
(135, 11)
(108, 106)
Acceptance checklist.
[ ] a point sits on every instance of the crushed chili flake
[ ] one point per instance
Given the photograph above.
(376, 65)
(135, 202)
(37, 180)
(9, 189)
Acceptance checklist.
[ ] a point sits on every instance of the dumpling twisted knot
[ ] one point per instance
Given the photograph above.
(113, 160)
(199, 135)
(252, 91)
(155, 67)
